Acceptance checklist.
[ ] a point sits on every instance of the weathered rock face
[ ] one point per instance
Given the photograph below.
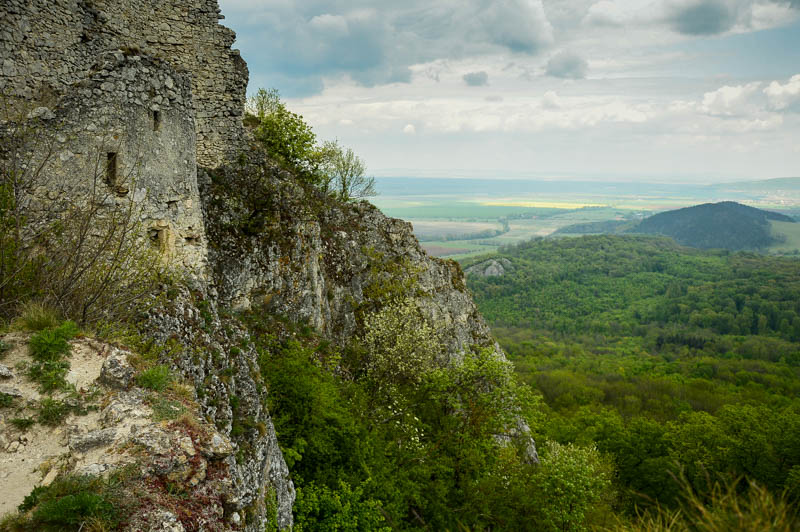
(327, 263)
(152, 94)
(125, 137)
(120, 431)
(217, 357)
(490, 268)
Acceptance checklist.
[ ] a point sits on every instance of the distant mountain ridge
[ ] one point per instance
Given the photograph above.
(727, 225)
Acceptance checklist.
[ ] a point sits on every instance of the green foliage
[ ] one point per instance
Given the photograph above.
(666, 359)
(6, 400)
(52, 411)
(292, 143)
(48, 349)
(320, 437)
(422, 452)
(156, 378)
(401, 347)
(569, 483)
(23, 423)
(49, 374)
(344, 509)
(286, 136)
(165, 409)
(70, 503)
(729, 505)
(344, 173)
(52, 344)
(36, 317)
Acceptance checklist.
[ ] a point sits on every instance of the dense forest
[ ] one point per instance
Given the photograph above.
(682, 366)
(724, 225)
(727, 225)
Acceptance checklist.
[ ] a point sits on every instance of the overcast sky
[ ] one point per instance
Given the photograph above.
(645, 90)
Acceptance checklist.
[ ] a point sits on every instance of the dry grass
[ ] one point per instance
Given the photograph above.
(733, 506)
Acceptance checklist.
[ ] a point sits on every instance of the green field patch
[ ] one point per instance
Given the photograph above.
(791, 232)
(458, 249)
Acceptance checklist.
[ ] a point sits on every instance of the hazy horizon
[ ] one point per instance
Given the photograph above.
(633, 90)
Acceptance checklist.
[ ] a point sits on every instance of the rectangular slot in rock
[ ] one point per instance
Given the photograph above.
(112, 163)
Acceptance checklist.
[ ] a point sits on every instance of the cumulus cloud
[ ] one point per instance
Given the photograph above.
(375, 42)
(476, 79)
(786, 96)
(567, 65)
(409, 129)
(730, 100)
(714, 17)
(550, 100)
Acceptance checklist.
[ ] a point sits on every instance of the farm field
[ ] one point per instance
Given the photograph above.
(792, 234)
(452, 217)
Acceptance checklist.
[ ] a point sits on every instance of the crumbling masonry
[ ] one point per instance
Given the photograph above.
(147, 90)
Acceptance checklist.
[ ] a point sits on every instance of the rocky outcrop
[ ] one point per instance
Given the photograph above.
(218, 359)
(303, 255)
(490, 268)
(113, 428)
(152, 93)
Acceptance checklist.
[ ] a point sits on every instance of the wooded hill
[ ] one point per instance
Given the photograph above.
(724, 225)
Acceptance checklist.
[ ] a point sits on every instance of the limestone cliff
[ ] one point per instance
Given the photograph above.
(323, 261)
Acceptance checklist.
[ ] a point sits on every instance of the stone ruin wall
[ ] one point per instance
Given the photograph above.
(98, 70)
(46, 46)
(129, 131)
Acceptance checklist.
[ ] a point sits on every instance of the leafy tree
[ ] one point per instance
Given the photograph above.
(345, 173)
(289, 140)
(292, 143)
(569, 483)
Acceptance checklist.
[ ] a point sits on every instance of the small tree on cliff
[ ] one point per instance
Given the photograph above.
(291, 142)
(288, 139)
(345, 173)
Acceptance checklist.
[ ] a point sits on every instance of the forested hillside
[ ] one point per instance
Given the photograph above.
(673, 361)
(727, 225)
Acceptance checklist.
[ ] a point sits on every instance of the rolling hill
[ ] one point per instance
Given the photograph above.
(727, 225)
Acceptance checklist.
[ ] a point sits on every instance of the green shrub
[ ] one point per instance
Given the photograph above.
(73, 510)
(6, 400)
(166, 410)
(53, 343)
(4, 348)
(23, 423)
(729, 505)
(344, 509)
(52, 412)
(70, 503)
(50, 375)
(156, 378)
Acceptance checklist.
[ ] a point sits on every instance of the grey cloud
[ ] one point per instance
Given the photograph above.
(375, 42)
(703, 17)
(476, 79)
(567, 65)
